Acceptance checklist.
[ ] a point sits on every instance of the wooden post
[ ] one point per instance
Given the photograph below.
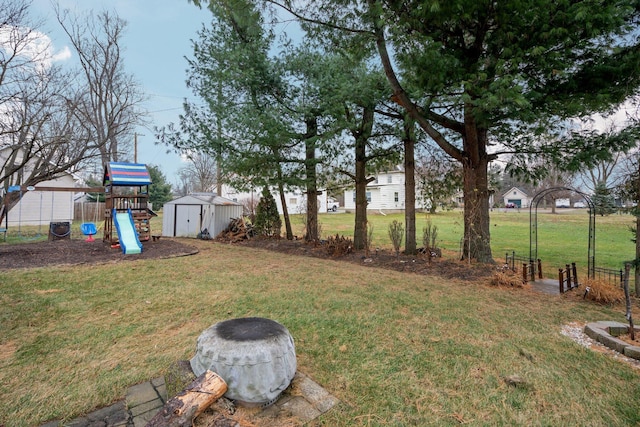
(182, 409)
(575, 274)
(632, 331)
(561, 280)
(524, 273)
(532, 271)
(539, 269)
(568, 267)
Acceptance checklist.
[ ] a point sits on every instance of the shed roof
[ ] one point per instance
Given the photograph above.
(203, 198)
(126, 174)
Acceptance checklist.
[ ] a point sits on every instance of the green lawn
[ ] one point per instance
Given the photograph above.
(562, 237)
(396, 349)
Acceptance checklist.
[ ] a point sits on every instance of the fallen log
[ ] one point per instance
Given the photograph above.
(182, 409)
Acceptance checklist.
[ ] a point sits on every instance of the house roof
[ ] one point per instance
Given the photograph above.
(520, 190)
(125, 174)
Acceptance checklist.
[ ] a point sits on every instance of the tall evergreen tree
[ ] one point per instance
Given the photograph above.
(629, 190)
(159, 190)
(482, 78)
(267, 221)
(603, 200)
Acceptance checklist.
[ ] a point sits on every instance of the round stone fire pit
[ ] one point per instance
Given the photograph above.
(255, 356)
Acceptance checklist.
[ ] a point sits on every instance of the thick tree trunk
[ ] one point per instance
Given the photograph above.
(477, 240)
(360, 227)
(311, 178)
(285, 212)
(361, 136)
(410, 247)
(636, 265)
(283, 202)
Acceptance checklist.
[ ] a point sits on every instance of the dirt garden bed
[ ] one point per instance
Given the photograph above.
(446, 266)
(73, 252)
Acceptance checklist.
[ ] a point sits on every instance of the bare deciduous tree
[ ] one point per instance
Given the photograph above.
(200, 173)
(555, 177)
(111, 107)
(50, 124)
(40, 138)
(439, 179)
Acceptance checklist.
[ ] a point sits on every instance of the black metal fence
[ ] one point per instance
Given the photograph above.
(530, 269)
(613, 276)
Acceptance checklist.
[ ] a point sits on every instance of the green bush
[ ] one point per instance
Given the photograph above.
(267, 221)
(396, 233)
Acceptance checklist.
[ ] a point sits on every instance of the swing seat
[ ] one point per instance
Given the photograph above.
(88, 229)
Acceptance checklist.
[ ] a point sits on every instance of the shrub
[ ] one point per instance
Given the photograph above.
(267, 221)
(396, 233)
(429, 236)
(368, 239)
(429, 241)
(603, 292)
(506, 278)
(339, 245)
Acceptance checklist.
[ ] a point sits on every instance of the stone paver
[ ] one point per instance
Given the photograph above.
(143, 401)
(605, 332)
(301, 408)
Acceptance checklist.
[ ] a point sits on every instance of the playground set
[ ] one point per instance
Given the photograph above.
(126, 187)
(127, 214)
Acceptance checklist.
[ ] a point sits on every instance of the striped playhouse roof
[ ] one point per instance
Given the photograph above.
(126, 174)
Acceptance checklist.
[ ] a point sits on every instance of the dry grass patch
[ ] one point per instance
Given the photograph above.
(506, 278)
(603, 292)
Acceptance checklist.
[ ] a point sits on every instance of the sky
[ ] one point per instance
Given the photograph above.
(157, 40)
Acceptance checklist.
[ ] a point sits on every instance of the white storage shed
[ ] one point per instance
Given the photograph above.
(187, 216)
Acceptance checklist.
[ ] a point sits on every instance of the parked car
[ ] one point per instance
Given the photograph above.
(332, 205)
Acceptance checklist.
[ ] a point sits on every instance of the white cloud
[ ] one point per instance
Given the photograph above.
(62, 55)
(31, 47)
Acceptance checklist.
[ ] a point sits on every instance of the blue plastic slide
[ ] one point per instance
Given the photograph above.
(127, 235)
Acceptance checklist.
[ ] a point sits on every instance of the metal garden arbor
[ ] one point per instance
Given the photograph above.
(533, 226)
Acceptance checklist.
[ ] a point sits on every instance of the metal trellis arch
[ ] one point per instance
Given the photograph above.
(533, 226)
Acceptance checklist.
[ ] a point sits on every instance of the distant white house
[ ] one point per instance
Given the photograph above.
(385, 193)
(296, 200)
(42, 207)
(516, 197)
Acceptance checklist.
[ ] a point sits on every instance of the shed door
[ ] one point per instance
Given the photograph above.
(188, 220)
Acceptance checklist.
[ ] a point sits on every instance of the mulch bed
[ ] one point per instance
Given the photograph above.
(73, 252)
(447, 267)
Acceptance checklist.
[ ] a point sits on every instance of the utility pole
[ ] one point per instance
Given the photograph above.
(135, 154)
(135, 146)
